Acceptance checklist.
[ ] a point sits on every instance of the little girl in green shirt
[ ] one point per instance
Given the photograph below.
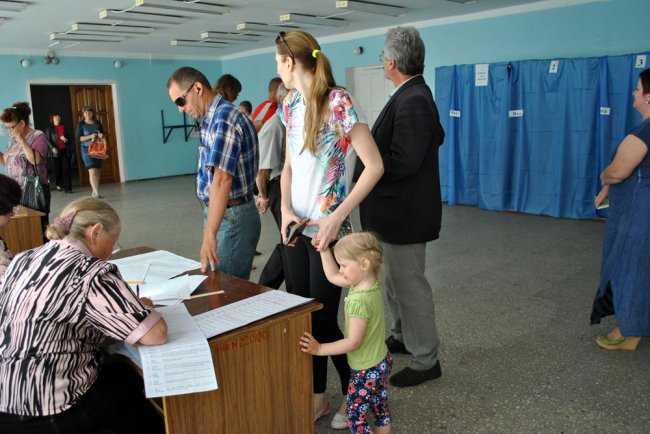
(355, 263)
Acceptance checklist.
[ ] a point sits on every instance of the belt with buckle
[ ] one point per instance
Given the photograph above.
(239, 200)
(233, 202)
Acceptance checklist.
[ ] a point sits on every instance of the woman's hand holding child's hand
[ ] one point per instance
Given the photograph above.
(309, 345)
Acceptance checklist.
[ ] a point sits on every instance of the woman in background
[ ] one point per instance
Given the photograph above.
(58, 304)
(89, 129)
(26, 151)
(59, 141)
(325, 132)
(10, 194)
(624, 288)
(228, 87)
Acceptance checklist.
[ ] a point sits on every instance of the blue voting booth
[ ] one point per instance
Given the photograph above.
(533, 136)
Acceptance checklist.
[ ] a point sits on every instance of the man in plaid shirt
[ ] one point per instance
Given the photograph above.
(228, 159)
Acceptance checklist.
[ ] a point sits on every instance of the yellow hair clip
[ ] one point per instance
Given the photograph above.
(315, 53)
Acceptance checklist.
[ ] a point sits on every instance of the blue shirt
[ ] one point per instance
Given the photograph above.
(228, 142)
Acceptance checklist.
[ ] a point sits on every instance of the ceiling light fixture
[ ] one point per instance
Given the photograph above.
(108, 29)
(264, 28)
(50, 57)
(372, 8)
(202, 44)
(291, 18)
(231, 36)
(85, 38)
(25, 63)
(112, 15)
(12, 6)
(182, 6)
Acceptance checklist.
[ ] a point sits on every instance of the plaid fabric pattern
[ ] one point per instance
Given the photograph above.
(228, 142)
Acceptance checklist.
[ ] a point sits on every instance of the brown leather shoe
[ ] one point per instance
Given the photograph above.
(408, 377)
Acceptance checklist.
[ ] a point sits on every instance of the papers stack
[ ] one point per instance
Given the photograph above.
(151, 272)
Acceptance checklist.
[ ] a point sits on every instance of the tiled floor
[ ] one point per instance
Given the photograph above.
(513, 297)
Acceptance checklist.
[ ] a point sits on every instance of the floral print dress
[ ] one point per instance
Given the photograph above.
(321, 182)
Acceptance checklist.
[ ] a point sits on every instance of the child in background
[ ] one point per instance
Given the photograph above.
(10, 194)
(359, 259)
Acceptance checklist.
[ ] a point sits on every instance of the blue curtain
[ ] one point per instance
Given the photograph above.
(547, 160)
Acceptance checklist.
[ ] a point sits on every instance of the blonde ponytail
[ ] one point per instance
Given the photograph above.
(302, 47)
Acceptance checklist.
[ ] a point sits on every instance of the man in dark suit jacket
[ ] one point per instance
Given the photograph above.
(404, 208)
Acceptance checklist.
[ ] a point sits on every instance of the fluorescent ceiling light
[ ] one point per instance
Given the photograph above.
(112, 15)
(308, 19)
(12, 6)
(182, 6)
(107, 29)
(371, 8)
(265, 28)
(230, 36)
(202, 44)
(85, 38)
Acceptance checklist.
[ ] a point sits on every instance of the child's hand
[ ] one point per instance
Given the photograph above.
(309, 345)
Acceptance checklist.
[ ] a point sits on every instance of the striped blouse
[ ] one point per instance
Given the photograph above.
(57, 305)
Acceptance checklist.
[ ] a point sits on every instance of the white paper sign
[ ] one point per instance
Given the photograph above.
(605, 111)
(640, 61)
(481, 71)
(454, 113)
(553, 68)
(516, 113)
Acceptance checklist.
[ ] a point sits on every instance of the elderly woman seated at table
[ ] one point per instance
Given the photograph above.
(58, 304)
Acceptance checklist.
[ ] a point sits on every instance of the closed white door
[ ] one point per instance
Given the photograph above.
(370, 89)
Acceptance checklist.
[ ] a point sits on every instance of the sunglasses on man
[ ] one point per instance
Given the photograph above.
(181, 101)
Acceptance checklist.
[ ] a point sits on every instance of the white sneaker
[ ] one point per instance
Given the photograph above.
(338, 422)
(96, 194)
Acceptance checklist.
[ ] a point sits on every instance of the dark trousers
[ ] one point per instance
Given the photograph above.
(62, 173)
(274, 272)
(308, 277)
(114, 404)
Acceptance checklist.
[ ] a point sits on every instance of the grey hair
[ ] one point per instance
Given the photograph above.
(405, 46)
(281, 92)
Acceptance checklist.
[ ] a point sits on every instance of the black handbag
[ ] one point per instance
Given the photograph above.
(36, 195)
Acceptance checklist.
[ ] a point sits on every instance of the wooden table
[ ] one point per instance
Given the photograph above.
(265, 381)
(24, 231)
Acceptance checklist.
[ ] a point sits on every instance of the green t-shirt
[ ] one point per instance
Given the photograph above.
(367, 305)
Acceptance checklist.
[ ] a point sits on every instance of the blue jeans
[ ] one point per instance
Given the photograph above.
(237, 239)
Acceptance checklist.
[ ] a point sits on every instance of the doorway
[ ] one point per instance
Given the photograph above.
(371, 88)
(69, 101)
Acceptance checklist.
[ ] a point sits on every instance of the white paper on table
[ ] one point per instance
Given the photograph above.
(240, 313)
(183, 364)
(179, 288)
(163, 265)
(134, 272)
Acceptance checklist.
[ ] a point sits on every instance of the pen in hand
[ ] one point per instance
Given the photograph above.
(137, 290)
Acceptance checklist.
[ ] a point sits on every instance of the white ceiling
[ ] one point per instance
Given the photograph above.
(28, 31)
